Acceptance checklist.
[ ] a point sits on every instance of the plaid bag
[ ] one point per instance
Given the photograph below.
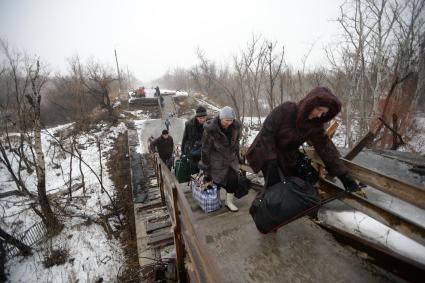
(206, 195)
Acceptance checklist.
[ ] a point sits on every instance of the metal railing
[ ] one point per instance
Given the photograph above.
(189, 242)
(30, 237)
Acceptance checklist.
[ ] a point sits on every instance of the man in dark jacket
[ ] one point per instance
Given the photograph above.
(192, 138)
(287, 127)
(220, 152)
(164, 146)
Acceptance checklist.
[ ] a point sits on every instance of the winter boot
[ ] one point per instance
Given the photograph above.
(229, 203)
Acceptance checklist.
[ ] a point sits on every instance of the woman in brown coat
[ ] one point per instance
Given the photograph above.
(287, 127)
(220, 152)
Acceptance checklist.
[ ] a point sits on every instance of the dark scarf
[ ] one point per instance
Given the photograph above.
(199, 130)
(227, 132)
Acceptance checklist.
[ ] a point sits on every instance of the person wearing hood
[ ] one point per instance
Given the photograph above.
(287, 127)
(192, 138)
(220, 152)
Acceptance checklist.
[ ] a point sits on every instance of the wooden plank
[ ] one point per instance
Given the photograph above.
(149, 205)
(393, 220)
(397, 188)
(160, 238)
(330, 131)
(181, 214)
(387, 184)
(368, 138)
(387, 217)
(153, 226)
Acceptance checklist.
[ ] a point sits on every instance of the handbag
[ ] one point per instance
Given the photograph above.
(205, 194)
(244, 184)
(283, 203)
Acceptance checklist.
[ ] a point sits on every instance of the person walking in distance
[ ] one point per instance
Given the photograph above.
(167, 123)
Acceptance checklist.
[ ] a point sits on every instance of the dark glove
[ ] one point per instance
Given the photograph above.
(202, 166)
(272, 175)
(349, 184)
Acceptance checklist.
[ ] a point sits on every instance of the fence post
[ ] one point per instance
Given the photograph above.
(161, 185)
(178, 241)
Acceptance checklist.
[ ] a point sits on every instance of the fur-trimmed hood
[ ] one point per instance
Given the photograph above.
(319, 96)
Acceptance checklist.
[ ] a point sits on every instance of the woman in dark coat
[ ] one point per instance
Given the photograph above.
(220, 152)
(287, 127)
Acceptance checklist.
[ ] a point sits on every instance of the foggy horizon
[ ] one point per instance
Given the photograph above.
(152, 38)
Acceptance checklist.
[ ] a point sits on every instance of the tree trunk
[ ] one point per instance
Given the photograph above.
(24, 249)
(51, 221)
(420, 90)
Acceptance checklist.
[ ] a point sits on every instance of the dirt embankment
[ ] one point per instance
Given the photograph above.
(118, 166)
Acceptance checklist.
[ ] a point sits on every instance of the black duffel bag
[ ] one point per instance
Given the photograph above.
(282, 203)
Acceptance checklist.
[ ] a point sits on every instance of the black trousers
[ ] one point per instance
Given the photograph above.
(232, 182)
(274, 177)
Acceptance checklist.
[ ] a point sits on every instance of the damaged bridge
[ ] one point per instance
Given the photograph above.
(177, 241)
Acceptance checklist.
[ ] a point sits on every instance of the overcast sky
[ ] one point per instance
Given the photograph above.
(154, 36)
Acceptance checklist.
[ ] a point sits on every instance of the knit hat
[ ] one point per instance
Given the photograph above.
(164, 132)
(226, 113)
(201, 111)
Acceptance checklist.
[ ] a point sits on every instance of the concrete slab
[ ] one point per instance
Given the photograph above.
(298, 252)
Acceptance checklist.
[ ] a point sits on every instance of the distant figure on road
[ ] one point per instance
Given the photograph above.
(164, 145)
(192, 138)
(167, 123)
(157, 92)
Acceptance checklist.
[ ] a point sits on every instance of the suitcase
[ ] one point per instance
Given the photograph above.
(182, 170)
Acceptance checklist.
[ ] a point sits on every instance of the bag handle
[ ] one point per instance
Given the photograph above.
(281, 176)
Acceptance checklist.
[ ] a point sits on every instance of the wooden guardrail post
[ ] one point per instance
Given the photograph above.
(161, 186)
(178, 240)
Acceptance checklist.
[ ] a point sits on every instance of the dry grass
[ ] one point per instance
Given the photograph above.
(55, 256)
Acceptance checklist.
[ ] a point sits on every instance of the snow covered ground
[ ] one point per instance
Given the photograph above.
(91, 254)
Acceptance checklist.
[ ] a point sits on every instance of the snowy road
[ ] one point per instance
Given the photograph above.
(154, 127)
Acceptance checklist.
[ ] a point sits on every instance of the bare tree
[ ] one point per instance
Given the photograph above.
(34, 99)
(274, 63)
(98, 78)
(255, 63)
